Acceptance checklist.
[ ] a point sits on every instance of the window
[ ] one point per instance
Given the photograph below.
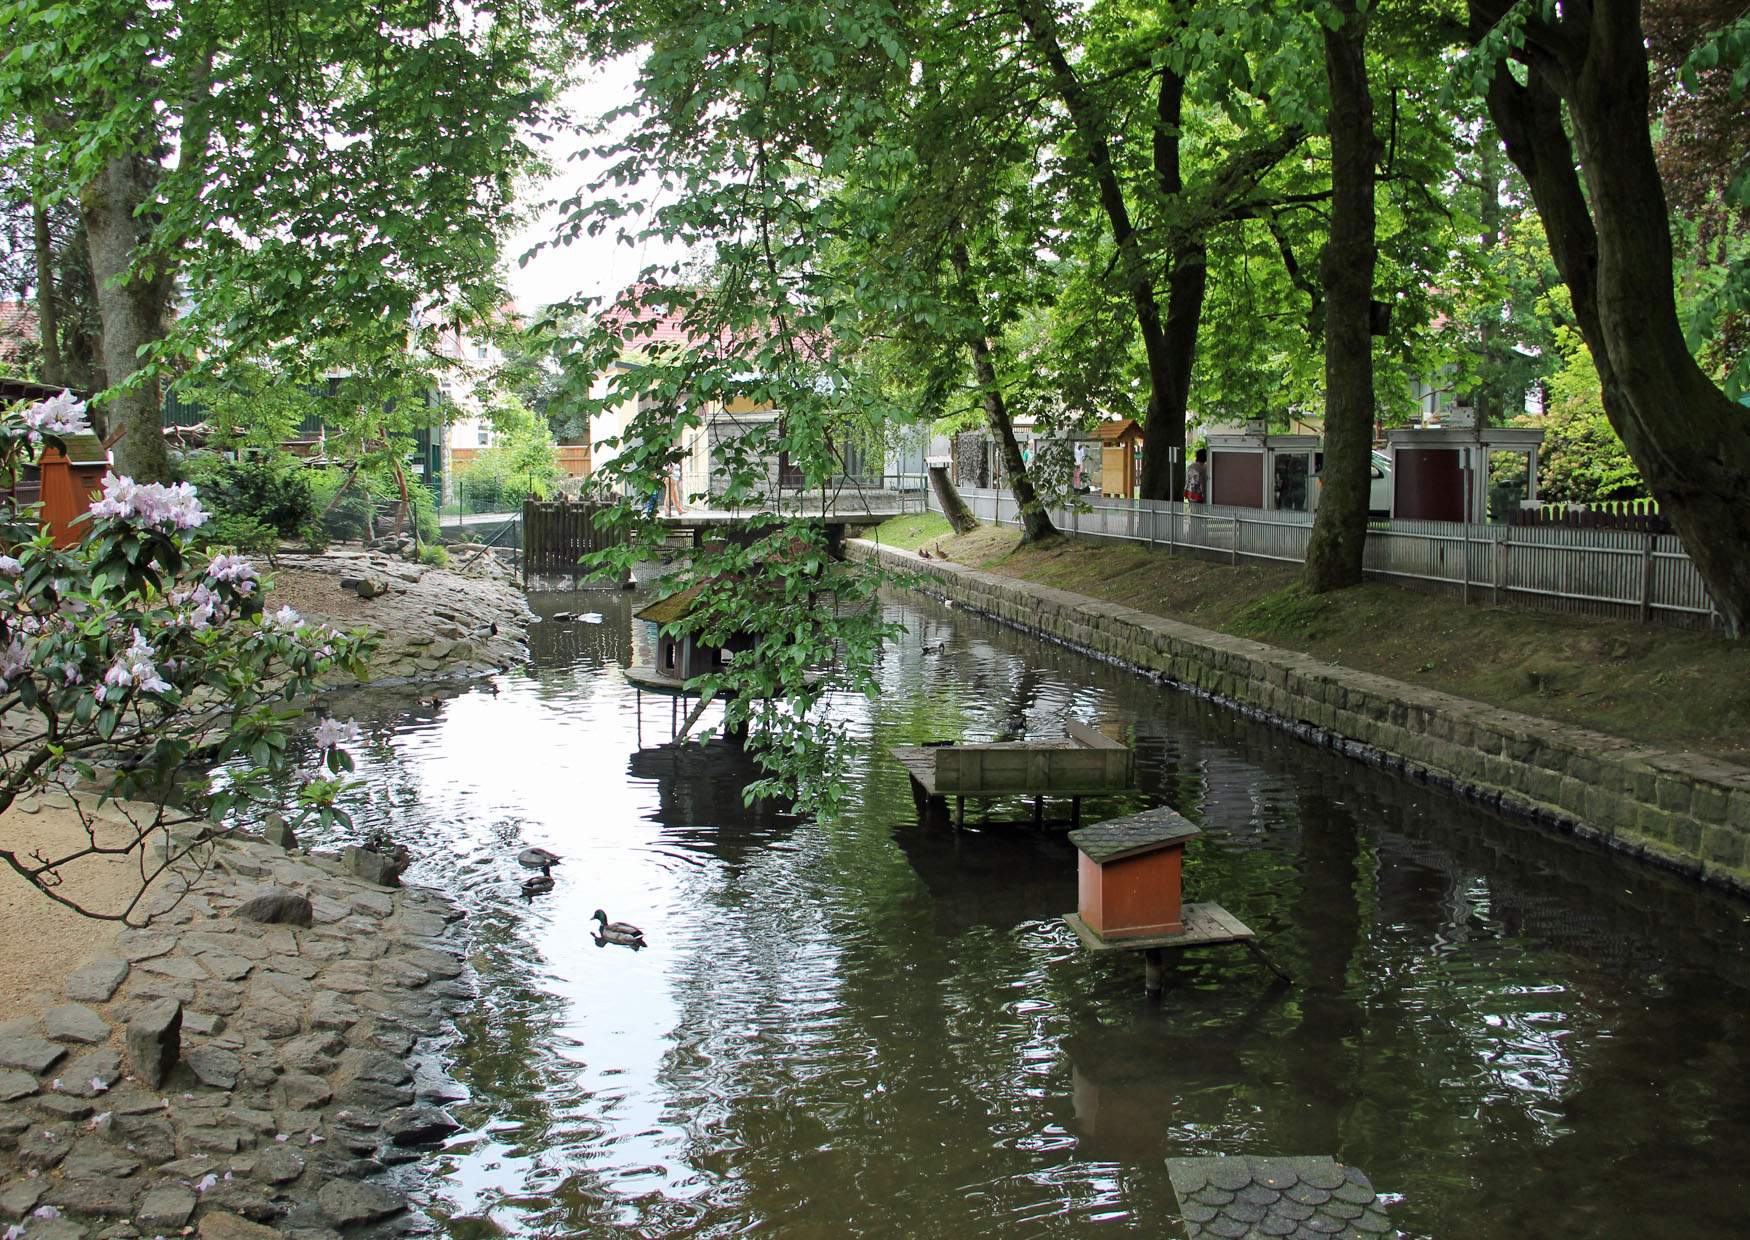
(485, 435)
(480, 352)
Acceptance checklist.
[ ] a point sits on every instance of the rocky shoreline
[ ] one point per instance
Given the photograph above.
(465, 620)
(236, 1078)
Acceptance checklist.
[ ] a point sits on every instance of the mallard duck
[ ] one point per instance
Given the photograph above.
(618, 931)
(618, 940)
(539, 883)
(537, 859)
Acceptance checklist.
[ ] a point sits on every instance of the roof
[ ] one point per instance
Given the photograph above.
(1118, 838)
(85, 449)
(18, 330)
(675, 607)
(1111, 432)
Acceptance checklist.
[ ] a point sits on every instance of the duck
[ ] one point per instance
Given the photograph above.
(539, 883)
(537, 859)
(938, 648)
(622, 932)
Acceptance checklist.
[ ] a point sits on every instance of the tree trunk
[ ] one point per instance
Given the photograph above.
(133, 308)
(1035, 521)
(1339, 534)
(48, 318)
(1613, 247)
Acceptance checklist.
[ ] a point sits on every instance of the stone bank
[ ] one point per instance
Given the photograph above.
(238, 1079)
(1683, 811)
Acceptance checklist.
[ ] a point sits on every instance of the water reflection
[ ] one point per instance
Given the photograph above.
(865, 1027)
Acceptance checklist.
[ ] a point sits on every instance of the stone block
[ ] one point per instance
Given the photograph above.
(1722, 846)
(277, 906)
(154, 1040)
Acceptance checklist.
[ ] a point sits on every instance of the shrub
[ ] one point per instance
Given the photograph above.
(273, 488)
(243, 534)
(435, 555)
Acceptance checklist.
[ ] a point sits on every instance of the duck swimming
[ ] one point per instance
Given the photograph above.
(539, 883)
(621, 932)
(537, 859)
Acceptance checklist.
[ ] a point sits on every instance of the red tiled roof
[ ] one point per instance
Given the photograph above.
(17, 329)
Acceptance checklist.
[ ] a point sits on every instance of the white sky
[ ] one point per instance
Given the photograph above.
(596, 266)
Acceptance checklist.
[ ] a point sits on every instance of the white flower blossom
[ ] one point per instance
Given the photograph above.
(136, 669)
(14, 1232)
(332, 733)
(46, 1213)
(285, 618)
(59, 415)
(236, 570)
(10, 567)
(150, 504)
(207, 1181)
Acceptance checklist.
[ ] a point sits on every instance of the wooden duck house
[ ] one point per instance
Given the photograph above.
(1130, 872)
(682, 656)
(70, 480)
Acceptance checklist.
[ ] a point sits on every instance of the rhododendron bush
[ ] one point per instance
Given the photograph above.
(134, 665)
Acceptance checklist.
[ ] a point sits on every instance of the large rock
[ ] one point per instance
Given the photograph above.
(420, 1126)
(92, 1073)
(277, 906)
(373, 866)
(301, 1091)
(155, 1041)
(218, 1225)
(279, 832)
(96, 981)
(15, 1084)
(30, 1053)
(349, 1204)
(74, 1022)
(166, 1208)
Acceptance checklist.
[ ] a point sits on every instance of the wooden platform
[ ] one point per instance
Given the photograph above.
(646, 679)
(1083, 763)
(1206, 925)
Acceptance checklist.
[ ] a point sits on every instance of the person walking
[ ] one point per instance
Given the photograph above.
(671, 490)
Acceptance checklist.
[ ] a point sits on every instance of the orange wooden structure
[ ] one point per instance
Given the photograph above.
(70, 481)
(1120, 453)
(1128, 878)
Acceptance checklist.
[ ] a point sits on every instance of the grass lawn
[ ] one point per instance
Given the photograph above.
(1666, 687)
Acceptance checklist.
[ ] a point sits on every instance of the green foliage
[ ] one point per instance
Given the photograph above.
(272, 488)
(239, 532)
(522, 462)
(1582, 459)
(434, 554)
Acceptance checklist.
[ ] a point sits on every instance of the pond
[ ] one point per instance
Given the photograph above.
(872, 1027)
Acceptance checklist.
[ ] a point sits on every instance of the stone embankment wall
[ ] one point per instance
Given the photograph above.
(1680, 810)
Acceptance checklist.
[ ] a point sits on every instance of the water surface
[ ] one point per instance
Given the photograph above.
(868, 1027)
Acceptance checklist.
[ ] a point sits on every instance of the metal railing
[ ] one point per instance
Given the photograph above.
(1603, 572)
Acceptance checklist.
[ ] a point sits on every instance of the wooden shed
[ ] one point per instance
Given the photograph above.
(1129, 875)
(1120, 457)
(682, 656)
(71, 479)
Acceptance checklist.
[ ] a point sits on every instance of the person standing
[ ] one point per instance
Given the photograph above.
(671, 490)
(1081, 456)
(1197, 477)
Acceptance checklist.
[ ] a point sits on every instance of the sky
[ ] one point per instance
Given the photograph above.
(595, 266)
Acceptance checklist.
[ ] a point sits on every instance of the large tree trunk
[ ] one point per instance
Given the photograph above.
(48, 318)
(1613, 247)
(1339, 534)
(133, 306)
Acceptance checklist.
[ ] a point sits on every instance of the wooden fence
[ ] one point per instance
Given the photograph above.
(557, 534)
(1601, 572)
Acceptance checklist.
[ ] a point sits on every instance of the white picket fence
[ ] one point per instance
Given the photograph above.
(1598, 572)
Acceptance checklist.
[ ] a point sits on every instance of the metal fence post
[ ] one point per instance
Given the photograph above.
(1234, 549)
(1647, 578)
(1503, 549)
(1465, 593)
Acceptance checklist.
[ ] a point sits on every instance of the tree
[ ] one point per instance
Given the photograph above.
(1339, 534)
(1178, 208)
(1606, 218)
(317, 192)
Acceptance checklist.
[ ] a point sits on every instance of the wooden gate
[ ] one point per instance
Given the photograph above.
(558, 534)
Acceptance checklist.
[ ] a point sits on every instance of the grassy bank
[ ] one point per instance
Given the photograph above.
(1665, 687)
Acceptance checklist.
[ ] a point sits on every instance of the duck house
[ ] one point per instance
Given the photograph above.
(1130, 873)
(682, 656)
(72, 476)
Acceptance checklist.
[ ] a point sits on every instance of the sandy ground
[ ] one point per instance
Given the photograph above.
(44, 941)
(316, 594)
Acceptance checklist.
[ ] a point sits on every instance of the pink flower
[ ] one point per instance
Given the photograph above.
(136, 668)
(59, 416)
(149, 504)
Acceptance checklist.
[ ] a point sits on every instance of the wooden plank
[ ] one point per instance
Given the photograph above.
(1206, 925)
(1093, 738)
